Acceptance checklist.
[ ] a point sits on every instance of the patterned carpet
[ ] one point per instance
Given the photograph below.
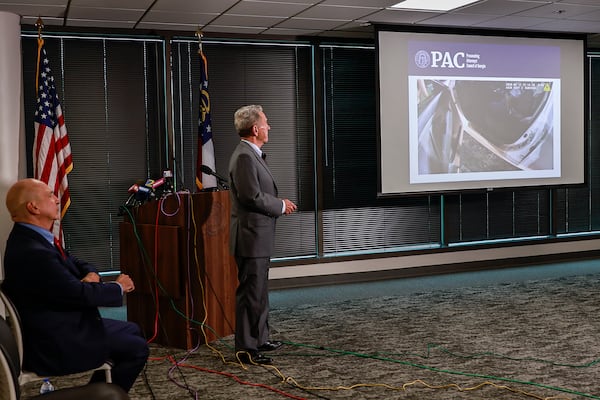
(535, 339)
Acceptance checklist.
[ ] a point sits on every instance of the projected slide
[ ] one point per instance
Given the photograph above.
(479, 112)
(481, 122)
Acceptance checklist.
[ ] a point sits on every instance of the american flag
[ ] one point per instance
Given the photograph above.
(52, 159)
(206, 151)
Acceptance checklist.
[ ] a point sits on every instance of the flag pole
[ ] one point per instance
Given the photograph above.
(206, 151)
(199, 35)
(204, 117)
(199, 177)
(52, 160)
(39, 25)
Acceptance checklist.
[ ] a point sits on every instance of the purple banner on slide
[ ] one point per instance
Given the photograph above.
(483, 60)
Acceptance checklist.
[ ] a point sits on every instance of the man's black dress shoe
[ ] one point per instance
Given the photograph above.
(250, 357)
(270, 345)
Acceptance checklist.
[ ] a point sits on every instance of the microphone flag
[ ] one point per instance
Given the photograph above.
(206, 151)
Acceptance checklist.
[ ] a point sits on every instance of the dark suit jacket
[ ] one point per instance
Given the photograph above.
(63, 332)
(254, 204)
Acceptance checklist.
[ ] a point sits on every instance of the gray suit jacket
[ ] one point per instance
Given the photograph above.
(254, 204)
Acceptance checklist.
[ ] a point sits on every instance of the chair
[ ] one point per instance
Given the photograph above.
(14, 323)
(9, 377)
(9, 364)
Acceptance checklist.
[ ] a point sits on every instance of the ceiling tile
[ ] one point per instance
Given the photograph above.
(556, 10)
(104, 23)
(104, 14)
(355, 25)
(370, 3)
(499, 7)
(589, 16)
(291, 32)
(563, 25)
(241, 20)
(337, 12)
(164, 26)
(178, 18)
(400, 17)
(196, 6)
(588, 2)
(57, 3)
(233, 29)
(513, 22)
(456, 19)
(134, 4)
(305, 2)
(267, 8)
(304, 23)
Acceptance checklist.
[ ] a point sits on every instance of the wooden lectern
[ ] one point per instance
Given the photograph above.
(185, 238)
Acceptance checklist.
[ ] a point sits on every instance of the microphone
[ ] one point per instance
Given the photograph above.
(165, 183)
(154, 184)
(141, 192)
(138, 195)
(208, 171)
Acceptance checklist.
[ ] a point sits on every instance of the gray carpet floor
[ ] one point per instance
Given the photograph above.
(535, 338)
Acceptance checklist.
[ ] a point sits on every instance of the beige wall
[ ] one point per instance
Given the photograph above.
(12, 132)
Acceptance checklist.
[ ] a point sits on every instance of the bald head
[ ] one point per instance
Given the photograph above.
(32, 201)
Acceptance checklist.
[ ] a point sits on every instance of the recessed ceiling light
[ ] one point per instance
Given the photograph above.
(431, 5)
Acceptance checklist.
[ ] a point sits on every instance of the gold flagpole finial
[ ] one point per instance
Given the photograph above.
(39, 25)
(199, 35)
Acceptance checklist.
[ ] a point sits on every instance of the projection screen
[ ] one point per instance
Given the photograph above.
(462, 111)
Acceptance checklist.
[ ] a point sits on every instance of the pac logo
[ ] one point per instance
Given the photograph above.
(422, 59)
(438, 59)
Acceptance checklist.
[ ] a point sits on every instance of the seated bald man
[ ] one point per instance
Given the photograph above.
(57, 297)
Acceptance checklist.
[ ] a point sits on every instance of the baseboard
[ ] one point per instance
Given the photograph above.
(440, 262)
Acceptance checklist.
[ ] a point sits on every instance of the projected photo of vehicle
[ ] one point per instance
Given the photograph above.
(467, 126)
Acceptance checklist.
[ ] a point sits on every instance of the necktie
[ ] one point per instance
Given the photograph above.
(264, 156)
(59, 247)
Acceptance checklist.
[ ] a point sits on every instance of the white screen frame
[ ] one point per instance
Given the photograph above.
(397, 153)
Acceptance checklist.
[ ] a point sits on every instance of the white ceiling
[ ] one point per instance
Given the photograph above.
(337, 18)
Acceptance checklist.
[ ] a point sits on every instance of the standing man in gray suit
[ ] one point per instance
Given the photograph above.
(254, 209)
